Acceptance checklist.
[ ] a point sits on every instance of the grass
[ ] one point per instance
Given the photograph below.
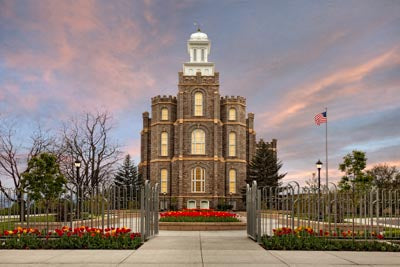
(7, 225)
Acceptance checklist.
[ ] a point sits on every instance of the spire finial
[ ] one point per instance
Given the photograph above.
(197, 25)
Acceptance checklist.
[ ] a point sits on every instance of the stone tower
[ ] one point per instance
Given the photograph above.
(197, 145)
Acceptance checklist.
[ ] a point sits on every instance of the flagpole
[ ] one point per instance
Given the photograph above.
(326, 147)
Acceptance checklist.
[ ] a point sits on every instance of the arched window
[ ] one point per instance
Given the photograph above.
(198, 179)
(198, 142)
(198, 104)
(164, 144)
(232, 144)
(164, 180)
(232, 181)
(232, 114)
(164, 114)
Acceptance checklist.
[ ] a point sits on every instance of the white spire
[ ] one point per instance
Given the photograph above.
(199, 49)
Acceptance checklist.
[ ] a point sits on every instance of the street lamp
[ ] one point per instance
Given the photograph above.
(77, 164)
(319, 166)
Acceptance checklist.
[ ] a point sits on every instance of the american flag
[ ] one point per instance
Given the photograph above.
(320, 118)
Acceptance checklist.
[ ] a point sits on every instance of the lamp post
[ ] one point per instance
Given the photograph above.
(77, 164)
(319, 166)
(164, 206)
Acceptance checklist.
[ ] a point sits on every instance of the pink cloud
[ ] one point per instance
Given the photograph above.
(298, 99)
(7, 9)
(12, 93)
(301, 176)
(106, 66)
(133, 149)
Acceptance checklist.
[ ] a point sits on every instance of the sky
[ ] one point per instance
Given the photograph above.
(290, 59)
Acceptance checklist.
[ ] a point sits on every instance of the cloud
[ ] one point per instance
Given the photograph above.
(298, 99)
(77, 52)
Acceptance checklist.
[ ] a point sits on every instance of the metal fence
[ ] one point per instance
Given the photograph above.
(329, 211)
(107, 207)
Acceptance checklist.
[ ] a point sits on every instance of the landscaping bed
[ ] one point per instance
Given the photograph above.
(67, 238)
(306, 239)
(200, 220)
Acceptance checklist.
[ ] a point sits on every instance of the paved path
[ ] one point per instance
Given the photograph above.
(219, 248)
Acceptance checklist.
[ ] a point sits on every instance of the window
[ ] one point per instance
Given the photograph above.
(198, 142)
(198, 104)
(202, 55)
(204, 204)
(191, 204)
(232, 181)
(164, 144)
(232, 114)
(198, 179)
(194, 54)
(232, 144)
(164, 180)
(164, 114)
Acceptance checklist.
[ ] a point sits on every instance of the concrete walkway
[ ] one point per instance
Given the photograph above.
(219, 248)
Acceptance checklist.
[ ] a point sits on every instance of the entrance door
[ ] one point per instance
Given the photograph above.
(204, 204)
(191, 204)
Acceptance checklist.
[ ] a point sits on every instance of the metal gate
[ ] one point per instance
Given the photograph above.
(253, 207)
(327, 212)
(113, 206)
(149, 210)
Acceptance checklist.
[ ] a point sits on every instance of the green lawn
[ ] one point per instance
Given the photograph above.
(10, 224)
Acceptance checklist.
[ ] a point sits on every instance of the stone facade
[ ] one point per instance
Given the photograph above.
(179, 162)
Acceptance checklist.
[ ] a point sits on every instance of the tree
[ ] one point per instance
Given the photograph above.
(353, 166)
(87, 139)
(43, 180)
(14, 157)
(127, 174)
(384, 176)
(312, 183)
(264, 167)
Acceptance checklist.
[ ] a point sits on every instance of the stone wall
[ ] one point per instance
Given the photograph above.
(181, 122)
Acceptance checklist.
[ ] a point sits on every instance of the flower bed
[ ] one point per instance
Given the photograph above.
(194, 215)
(307, 239)
(67, 238)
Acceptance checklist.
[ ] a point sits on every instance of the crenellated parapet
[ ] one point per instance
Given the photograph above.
(198, 79)
(233, 100)
(163, 100)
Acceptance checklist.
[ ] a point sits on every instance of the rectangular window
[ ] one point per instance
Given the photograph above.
(198, 104)
(164, 114)
(194, 54)
(232, 181)
(164, 181)
(202, 55)
(198, 180)
(232, 144)
(164, 144)
(232, 114)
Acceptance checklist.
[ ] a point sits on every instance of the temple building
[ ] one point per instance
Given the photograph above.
(197, 144)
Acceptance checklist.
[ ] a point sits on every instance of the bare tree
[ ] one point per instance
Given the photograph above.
(312, 182)
(14, 156)
(88, 139)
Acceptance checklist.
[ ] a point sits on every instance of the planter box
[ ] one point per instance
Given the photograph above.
(202, 226)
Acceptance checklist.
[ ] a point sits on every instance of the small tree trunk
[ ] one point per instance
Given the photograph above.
(22, 209)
